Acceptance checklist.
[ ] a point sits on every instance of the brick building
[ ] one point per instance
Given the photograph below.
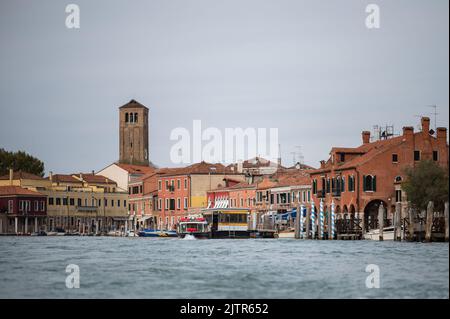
(359, 179)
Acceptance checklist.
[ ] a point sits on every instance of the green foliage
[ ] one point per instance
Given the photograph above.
(20, 161)
(427, 182)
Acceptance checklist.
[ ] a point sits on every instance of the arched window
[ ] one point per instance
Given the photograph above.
(135, 117)
(131, 118)
(369, 183)
(126, 118)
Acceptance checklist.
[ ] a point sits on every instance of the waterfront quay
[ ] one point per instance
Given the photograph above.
(356, 193)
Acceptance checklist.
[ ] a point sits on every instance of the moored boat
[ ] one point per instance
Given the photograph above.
(194, 225)
(388, 234)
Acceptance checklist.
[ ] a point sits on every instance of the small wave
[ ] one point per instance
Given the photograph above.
(189, 237)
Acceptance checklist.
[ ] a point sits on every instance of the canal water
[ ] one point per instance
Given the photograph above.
(35, 267)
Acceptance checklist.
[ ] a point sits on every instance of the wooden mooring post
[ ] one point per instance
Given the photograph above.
(446, 220)
(429, 224)
(397, 222)
(411, 222)
(381, 210)
(297, 223)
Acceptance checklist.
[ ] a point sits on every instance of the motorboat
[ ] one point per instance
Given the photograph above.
(193, 226)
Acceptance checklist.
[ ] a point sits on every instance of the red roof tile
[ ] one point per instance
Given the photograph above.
(22, 175)
(17, 190)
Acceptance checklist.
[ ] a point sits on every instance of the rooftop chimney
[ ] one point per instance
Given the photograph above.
(408, 130)
(425, 121)
(11, 175)
(442, 133)
(322, 164)
(366, 137)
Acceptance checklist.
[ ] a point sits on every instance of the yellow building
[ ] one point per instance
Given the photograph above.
(84, 203)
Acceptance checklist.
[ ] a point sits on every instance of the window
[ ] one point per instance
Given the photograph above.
(167, 185)
(112, 202)
(106, 202)
(314, 186)
(178, 203)
(159, 185)
(435, 156)
(328, 186)
(10, 206)
(42, 206)
(398, 179)
(140, 189)
(398, 196)
(185, 203)
(126, 118)
(72, 201)
(131, 118)
(369, 183)
(342, 157)
(309, 196)
(394, 158)
(65, 201)
(159, 204)
(50, 200)
(58, 201)
(118, 203)
(178, 184)
(124, 203)
(416, 156)
(342, 184)
(172, 204)
(185, 183)
(135, 117)
(351, 183)
(36, 205)
(167, 203)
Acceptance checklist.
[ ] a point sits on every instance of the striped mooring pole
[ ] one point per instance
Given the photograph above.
(313, 220)
(333, 218)
(321, 220)
(300, 215)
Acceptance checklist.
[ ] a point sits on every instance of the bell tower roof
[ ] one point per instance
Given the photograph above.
(133, 104)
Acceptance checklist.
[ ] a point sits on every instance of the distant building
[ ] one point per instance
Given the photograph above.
(133, 134)
(359, 179)
(76, 202)
(21, 210)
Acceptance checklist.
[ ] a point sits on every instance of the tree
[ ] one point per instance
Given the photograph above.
(20, 161)
(427, 182)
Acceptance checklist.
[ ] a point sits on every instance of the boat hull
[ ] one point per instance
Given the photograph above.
(196, 235)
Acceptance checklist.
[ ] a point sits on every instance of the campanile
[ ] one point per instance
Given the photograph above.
(133, 134)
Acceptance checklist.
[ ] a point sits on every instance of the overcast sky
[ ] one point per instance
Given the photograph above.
(310, 68)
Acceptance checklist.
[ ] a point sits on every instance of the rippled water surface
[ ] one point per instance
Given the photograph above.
(34, 267)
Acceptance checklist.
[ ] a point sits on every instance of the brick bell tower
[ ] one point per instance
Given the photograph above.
(133, 134)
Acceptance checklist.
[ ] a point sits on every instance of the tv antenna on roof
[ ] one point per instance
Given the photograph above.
(435, 113)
